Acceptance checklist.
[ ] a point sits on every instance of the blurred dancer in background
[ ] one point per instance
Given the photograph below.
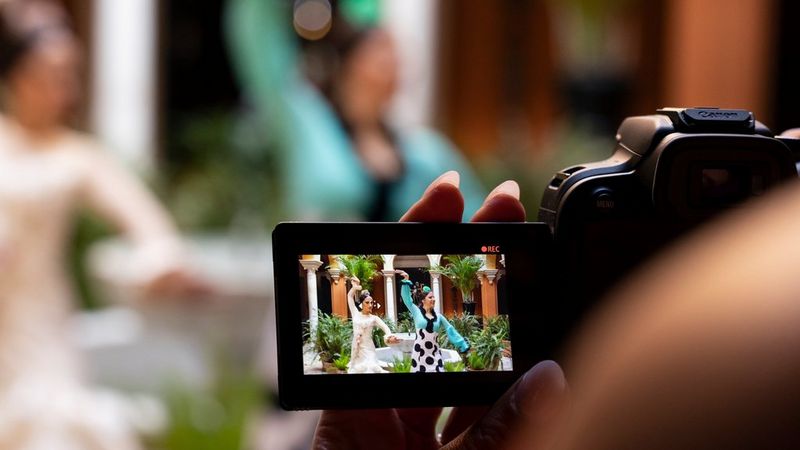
(47, 171)
(325, 109)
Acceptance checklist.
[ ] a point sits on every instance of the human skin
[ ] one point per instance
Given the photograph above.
(533, 402)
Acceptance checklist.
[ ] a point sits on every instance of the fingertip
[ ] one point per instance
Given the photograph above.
(508, 187)
(500, 207)
(792, 133)
(541, 392)
(450, 177)
(442, 202)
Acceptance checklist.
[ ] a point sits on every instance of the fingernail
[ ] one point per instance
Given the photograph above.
(451, 177)
(509, 187)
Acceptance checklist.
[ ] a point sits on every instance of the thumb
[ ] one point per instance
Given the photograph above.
(527, 410)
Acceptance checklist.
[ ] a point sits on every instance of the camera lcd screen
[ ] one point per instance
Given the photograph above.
(459, 310)
(400, 313)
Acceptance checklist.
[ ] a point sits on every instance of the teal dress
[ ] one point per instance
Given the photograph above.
(323, 178)
(426, 356)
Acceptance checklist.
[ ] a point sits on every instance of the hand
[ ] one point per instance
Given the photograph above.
(530, 406)
(402, 274)
(793, 133)
(178, 283)
(356, 283)
(392, 340)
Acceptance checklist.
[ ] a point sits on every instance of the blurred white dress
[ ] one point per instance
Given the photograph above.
(44, 403)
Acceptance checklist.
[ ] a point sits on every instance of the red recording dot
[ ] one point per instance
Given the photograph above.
(484, 249)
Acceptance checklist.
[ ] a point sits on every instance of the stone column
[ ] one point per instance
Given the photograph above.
(436, 287)
(487, 277)
(338, 288)
(388, 284)
(391, 304)
(311, 266)
(436, 283)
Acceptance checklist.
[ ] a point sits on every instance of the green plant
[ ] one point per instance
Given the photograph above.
(332, 338)
(488, 347)
(400, 365)
(466, 324)
(341, 362)
(454, 366)
(405, 323)
(475, 362)
(219, 171)
(88, 230)
(211, 418)
(591, 26)
(364, 267)
(462, 270)
(498, 325)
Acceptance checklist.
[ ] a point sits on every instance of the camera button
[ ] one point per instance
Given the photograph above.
(603, 199)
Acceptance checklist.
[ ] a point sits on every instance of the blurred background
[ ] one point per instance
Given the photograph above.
(243, 113)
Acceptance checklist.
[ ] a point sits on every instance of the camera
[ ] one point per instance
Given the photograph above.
(372, 314)
(403, 341)
(669, 173)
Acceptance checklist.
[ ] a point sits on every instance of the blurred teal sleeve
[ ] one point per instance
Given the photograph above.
(454, 336)
(264, 55)
(429, 154)
(319, 168)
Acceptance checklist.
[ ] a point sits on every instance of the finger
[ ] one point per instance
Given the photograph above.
(794, 133)
(420, 425)
(501, 205)
(355, 429)
(460, 419)
(522, 415)
(441, 202)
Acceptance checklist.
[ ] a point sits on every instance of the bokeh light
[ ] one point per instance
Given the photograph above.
(312, 18)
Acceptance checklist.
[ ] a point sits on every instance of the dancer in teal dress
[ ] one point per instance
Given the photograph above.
(339, 159)
(426, 355)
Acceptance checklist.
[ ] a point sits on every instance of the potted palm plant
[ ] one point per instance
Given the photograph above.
(499, 326)
(331, 339)
(462, 270)
(363, 267)
(486, 350)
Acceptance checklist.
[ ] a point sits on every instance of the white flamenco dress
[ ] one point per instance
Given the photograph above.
(363, 358)
(44, 402)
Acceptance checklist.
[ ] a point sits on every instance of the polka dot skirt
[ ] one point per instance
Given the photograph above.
(426, 356)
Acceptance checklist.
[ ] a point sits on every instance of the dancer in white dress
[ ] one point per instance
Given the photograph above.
(46, 172)
(362, 354)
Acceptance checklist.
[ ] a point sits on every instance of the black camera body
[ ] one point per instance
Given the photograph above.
(670, 172)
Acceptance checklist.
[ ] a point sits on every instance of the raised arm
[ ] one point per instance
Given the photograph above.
(264, 53)
(351, 296)
(454, 336)
(294, 115)
(405, 293)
